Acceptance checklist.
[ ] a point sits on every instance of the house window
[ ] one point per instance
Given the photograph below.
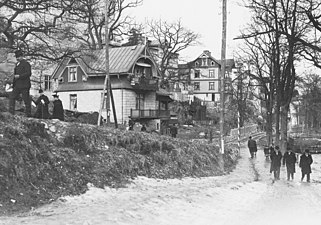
(212, 63)
(196, 64)
(211, 86)
(204, 62)
(60, 80)
(73, 102)
(197, 74)
(213, 97)
(140, 101)
(72, 74)
(197, 86)
(211, 74)
(47, 84)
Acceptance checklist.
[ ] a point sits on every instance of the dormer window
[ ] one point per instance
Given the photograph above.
(204, 62)
(72, 74)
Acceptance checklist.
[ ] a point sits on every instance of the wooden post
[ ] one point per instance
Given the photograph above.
(107, 77)
(222, 74)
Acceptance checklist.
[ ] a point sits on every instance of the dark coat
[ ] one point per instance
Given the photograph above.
(58, 110)
(275, 160)
(173, 131)
(23, 69)
(42, 107)
(305, 163)
(289, 159)
(143, 128)
(251, 144)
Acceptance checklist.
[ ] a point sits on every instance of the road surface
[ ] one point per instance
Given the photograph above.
(248, 196)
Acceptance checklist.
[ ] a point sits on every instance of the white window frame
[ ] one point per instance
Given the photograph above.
(47, 83)
(211, 86)
(70, 78)
(73, 102)
(211, 73)
(204, 61)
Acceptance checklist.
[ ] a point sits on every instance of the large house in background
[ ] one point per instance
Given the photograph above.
(134, 75)
(204, 76)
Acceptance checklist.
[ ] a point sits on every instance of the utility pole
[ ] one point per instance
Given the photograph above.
(222, 74)
(107, 85)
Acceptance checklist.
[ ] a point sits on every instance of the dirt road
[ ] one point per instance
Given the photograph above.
(246, 196)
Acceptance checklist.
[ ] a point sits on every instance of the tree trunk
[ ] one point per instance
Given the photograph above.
(269, 130)
(284, 127)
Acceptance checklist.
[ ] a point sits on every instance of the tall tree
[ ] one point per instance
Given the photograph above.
(51, 29)
(30, 25)
(87, 21)
(171, 39)
(285, 23)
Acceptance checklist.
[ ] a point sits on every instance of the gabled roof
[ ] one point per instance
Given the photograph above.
(230, 63)
(121, 60)
(207, 56)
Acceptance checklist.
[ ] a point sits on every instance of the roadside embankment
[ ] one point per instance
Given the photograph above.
(41, 160)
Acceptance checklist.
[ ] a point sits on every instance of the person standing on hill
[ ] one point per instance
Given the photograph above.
(58, 109)
(42, 106)
(143, 129)
(21, 84)
(276, 157)
(251, 144)
(289, 159)
(305, 164)
(173, 131)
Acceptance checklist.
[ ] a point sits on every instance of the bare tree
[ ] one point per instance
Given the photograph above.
(87, 21)
(284, 23)
(31, 25)
(171, 38)
(52, 29)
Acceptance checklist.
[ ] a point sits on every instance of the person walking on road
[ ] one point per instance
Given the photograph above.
(305, 164)
(276, 157)
(21, 84)
(289, 159)
(251, 144)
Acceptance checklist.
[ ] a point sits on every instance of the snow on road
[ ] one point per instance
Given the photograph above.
(248, 196)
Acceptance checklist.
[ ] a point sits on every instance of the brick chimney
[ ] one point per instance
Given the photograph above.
(207, 52)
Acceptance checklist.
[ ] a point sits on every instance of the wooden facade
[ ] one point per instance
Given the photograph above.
(134, 80)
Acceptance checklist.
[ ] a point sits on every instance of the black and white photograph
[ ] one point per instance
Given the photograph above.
(160, 112)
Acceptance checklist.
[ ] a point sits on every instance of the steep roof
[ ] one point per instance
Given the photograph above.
(121, 60)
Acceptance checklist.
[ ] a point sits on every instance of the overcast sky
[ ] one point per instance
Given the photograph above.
(201, 16)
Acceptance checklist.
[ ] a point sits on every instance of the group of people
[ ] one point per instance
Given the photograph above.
(21, 86)
(42, 104)
(289, 159)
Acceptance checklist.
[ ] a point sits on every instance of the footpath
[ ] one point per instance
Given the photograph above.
(246, 196)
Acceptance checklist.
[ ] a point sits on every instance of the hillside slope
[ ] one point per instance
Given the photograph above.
(41, 160)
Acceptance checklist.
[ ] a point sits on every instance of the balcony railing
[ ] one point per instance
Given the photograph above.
(149, 114)
(144, 84)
